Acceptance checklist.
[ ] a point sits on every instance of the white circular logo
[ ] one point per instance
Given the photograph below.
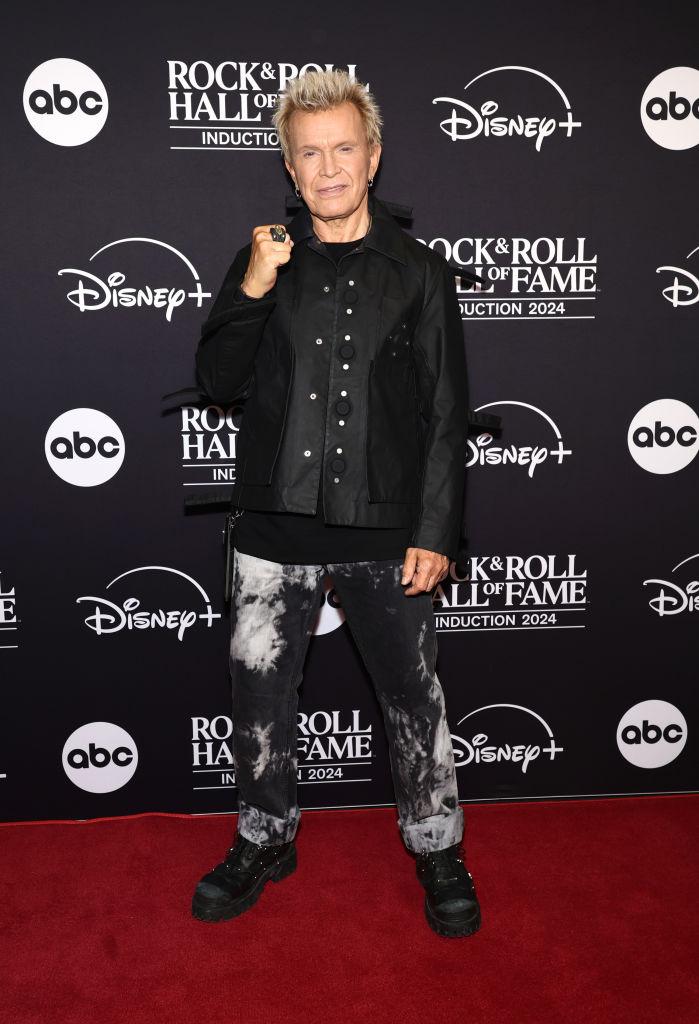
(663, 436)
(652, 734)
(331, 616)
(84, 447)
(100, 757)
(670, 108)
(65, 102)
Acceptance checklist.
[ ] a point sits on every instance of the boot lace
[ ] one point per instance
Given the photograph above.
(446, 865)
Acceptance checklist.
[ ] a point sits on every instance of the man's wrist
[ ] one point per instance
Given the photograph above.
(246, 294)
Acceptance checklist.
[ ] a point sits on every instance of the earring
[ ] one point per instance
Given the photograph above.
(296, 190)
(371, 182)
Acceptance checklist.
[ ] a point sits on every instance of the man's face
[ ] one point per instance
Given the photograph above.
(330, 160)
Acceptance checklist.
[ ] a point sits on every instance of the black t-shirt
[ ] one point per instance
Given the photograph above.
(296, 537)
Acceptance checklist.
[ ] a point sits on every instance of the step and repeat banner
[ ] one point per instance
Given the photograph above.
(553, 153)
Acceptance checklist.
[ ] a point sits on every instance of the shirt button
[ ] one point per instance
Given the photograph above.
(306, 452)
(313, 394)
(341, 422)
(345, 366)
(348, 310)
(319, 341)
(342, 393)
(339, 450)
(347, 337)
(326, 288)
(336, 479)
(350, 282)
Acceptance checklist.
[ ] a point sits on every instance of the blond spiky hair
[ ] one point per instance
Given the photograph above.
(323, 90)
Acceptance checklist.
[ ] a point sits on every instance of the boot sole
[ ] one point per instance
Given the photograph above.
(452, 929)
(204, 911)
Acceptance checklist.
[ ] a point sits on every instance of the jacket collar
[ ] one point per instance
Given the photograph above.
(385, 234)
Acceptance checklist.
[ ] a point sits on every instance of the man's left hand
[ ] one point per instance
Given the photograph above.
(423, 570)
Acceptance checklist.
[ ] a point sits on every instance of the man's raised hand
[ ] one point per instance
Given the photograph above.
(266, 257)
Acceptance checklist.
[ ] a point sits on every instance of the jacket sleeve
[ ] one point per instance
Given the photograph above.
(230, 336)
(439, 341)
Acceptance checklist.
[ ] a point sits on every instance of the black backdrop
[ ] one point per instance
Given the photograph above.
(569, 657)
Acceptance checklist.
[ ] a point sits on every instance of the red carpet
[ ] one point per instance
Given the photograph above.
(589, 915)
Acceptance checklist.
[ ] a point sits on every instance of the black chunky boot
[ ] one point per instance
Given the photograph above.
(451, 904)
(235, 884)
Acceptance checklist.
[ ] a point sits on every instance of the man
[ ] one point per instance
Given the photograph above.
(344, 335)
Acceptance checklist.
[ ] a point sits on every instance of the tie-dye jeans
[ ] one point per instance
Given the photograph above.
(273, 611)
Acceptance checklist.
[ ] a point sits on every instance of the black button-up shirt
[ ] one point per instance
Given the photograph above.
(383, 326)
(308, 539)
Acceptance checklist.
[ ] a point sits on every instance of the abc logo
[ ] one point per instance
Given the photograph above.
(100, 757)
(65, 102)
(663, 435)
(652, 734)
(331, 614)
(670, 108)
(84, 447)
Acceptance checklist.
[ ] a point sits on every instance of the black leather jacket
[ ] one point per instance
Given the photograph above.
(357, 372)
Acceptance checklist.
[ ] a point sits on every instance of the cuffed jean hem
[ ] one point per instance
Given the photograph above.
(263, 828)
(437, 832)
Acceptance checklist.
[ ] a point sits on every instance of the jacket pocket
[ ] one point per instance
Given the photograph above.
(393, 439)
(264, 419)
(424, 382)
(396, 318)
